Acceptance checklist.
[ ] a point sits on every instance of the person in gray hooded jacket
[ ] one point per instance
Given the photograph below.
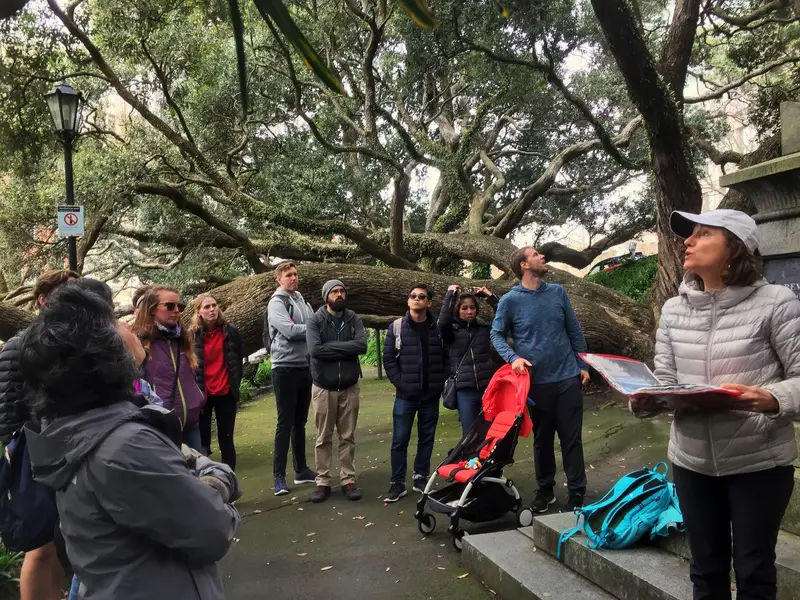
(287, 316)
(732, 462)
(137, 521)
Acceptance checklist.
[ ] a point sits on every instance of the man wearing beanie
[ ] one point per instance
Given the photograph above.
(336, 338)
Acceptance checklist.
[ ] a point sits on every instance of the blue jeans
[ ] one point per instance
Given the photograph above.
(469, 405)
(427, 411)
(191, 437)
(74, 589)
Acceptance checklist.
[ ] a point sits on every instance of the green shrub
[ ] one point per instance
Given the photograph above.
(10, 565)
(245, 392)
(263, 376)
(371, 356)
(633, 279)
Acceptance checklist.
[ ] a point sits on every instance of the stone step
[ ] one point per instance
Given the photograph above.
(640, 573)
(508, 564)
(787, 560)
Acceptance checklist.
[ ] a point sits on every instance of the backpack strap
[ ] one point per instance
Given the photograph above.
(397, 328)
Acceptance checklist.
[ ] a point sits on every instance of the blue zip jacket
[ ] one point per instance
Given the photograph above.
(544, 330)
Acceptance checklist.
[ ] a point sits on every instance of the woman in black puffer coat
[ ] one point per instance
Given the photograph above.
(470, 347)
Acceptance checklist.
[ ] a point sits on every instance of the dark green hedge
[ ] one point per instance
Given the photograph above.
(633, 280)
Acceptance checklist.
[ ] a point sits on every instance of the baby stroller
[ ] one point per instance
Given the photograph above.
(478, 491)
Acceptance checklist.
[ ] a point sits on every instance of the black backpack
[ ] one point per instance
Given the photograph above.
(266, 334)
(28, 512)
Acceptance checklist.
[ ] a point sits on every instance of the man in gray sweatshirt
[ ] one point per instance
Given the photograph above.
(287, 315)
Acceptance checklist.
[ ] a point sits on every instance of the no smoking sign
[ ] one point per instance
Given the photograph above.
(70, 221)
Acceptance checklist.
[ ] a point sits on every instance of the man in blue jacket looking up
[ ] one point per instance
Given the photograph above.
(547, 337)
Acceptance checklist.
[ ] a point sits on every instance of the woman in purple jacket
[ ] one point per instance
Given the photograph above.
(171, 361)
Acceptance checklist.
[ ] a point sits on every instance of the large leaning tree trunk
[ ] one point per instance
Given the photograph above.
(611, 322)
(657, 92)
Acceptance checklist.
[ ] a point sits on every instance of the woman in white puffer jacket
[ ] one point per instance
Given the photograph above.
(732, 466)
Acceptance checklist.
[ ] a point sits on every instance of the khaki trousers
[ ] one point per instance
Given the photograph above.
(339, 410)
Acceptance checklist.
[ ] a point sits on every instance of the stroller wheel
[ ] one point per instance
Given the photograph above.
(458, 540)
(426, 524)
(525, 517)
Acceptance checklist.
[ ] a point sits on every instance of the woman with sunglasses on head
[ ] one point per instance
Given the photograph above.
(219, 350)
(171, 361)
(732, 461)
(470, 346)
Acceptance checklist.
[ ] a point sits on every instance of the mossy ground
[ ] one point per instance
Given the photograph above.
(374, 550)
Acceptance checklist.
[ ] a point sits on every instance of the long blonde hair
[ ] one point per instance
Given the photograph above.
(197, 319)
(144, 326)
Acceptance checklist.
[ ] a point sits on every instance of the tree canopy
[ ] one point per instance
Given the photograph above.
(508, 117)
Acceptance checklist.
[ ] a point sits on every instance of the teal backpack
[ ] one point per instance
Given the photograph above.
(640, 503)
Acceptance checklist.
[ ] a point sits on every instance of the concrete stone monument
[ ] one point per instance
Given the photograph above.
(774, 188)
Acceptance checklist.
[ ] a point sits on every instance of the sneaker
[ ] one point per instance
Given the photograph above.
(280, 486)
(320, 494)
(574, 502)
(396, 491)
(351, 492)
(419, 483)
(544, 498)
(305, 476)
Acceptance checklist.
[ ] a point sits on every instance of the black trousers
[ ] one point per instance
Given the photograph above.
(749, 506)
(558, 409)
(293, 396)
(224, 407)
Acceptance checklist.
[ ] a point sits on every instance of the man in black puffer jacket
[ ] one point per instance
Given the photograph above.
(417, 364)
(41, 577)
(336, 338)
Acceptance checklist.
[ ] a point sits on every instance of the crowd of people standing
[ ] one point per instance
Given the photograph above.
(118, 418)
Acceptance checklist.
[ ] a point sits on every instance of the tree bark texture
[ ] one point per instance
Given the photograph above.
(611, 323)
(677, 187)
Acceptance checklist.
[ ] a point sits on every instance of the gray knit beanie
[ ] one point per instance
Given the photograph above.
(329, 285)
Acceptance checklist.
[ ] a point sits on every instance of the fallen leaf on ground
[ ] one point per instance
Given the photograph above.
(295, 541)
(299, 509)
(256, 512)
(340, 514)
(328, 568)
(359, 518)
(302, 553)
(388, 569)
(401, 512)
(463, 576)
(369, 524)
(440, 568)
(294, 498)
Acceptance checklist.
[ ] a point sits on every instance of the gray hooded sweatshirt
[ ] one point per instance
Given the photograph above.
(138, 524)
(288, 332)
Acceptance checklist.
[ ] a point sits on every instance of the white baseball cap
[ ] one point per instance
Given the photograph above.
(738, 223)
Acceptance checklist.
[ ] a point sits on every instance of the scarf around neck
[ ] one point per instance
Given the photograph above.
(171, 333)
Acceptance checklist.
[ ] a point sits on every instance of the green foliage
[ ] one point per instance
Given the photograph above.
(245, 392)
(10, 565)
(371, 356)
(633, 279)
(263, 376)
(480, 271)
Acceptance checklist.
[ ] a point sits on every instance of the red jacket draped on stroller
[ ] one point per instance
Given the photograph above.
(474, 468)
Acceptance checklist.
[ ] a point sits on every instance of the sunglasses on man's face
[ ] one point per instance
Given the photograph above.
(170, 306)
(418, 296)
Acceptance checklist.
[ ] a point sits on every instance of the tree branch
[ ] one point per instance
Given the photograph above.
(184, 203)
(677, 49)
(162, 78)
(141, 107)
(760, 12)
(721, 91)
(511, 218)
(149, 266)
(555, 80)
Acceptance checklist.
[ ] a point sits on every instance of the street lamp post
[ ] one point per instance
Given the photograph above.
(65, 105)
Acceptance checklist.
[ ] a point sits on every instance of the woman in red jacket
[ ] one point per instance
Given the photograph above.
(219, 350)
